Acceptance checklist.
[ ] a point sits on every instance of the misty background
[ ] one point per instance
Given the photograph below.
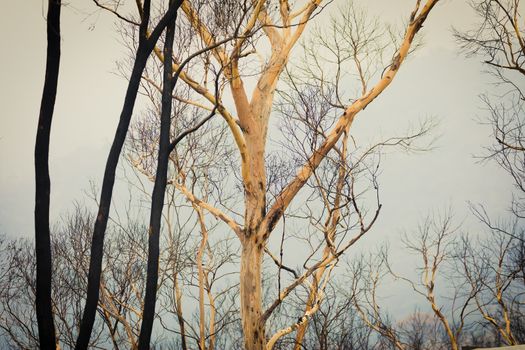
(435, 82)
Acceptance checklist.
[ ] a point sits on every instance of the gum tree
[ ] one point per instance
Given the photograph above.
(249, 123)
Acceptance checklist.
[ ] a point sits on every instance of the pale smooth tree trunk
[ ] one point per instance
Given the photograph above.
(250, 132)
(251, 295)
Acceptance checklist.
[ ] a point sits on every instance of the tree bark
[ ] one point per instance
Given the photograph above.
(310, 303)
(145, 47)
(253, 118)
(201, 277)
(97, 242)
(180, 316)
(159, 189)
(44, 308)
(251, 294)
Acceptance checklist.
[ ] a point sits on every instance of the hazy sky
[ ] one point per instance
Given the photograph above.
(437, 82)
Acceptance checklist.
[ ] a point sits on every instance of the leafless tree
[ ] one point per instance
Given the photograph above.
(422, 331)
(433, 243)
(282, 29)
(337, 326)
(366, 274)
(498, 41)
(147, 40)
(122, 285)
(44, 309)
(221, 44)
(491, 269)
(19, 281)
(191, 158)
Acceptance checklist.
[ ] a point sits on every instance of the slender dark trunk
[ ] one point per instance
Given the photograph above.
(97, 242)
(44, 308)
(145, 47)
(159, 189)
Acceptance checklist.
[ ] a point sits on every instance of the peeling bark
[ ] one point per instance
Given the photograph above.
(251, 295)
(254, 118)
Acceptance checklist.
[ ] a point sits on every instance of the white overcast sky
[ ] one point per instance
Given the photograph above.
(437, 81)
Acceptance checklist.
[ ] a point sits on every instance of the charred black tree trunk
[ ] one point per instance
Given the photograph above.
(157, 198)
(44, 309)
(97, 242)
(145, 47)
